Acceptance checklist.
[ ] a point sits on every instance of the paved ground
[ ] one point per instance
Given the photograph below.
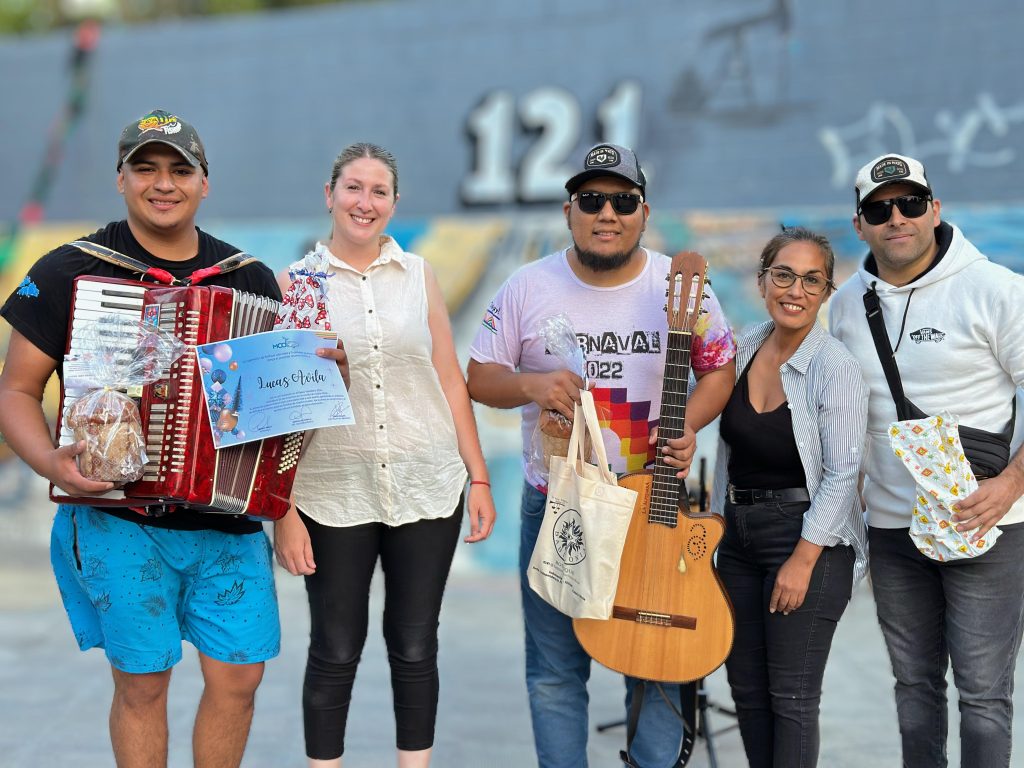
(54, 699)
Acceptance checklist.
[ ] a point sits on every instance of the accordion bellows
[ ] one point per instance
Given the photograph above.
(253, 479)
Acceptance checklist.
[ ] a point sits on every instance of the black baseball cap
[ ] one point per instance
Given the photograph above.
(609, 160)
(162, 127)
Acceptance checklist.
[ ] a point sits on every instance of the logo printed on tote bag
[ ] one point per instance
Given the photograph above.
(568, 536)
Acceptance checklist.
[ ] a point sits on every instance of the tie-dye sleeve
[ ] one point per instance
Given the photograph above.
(714, 343)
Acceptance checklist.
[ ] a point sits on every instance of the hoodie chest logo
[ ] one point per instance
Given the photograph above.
(927, 334)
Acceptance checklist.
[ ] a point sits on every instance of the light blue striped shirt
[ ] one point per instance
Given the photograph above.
(828, 401)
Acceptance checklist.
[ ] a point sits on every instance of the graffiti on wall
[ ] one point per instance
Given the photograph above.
(974, 138)
(740, 68)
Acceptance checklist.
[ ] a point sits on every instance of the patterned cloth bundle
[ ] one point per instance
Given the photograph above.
(305, 302)
(931, 452)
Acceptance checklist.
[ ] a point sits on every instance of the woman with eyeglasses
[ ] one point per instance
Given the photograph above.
(393, 486)
(786, 476)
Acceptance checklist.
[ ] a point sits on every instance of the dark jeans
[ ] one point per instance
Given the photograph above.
(415, 558)
(968, 612)
(778, 662)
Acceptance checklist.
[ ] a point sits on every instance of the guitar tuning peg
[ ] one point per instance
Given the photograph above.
(666, 291)
(707, 281)
(664, 307)
(667, 278)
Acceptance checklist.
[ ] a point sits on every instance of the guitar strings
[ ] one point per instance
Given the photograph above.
(666, 488)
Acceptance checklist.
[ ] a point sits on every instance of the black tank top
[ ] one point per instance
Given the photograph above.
(763, 451)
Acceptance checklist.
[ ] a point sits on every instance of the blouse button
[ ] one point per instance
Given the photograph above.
(364, 278)
(383, 466)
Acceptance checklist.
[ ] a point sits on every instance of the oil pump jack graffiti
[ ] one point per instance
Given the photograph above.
(741, 68)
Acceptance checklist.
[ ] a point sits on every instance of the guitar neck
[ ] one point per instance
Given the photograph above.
(666, 487)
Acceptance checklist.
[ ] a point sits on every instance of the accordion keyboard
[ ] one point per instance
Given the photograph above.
(95, 299)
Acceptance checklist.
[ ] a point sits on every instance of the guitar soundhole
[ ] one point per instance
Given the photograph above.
(697, 544)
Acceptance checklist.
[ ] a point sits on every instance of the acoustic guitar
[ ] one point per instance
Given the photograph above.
(672, 620)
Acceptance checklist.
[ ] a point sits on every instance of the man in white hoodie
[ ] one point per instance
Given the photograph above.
(953, 320)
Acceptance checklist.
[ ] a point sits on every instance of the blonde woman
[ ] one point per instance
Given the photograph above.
(391, 487)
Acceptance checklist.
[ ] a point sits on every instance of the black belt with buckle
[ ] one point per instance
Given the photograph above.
(743, 496)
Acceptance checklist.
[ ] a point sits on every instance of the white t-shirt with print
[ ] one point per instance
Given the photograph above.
(622, 331)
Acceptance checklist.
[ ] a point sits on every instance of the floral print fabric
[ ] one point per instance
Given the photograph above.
(930, 450)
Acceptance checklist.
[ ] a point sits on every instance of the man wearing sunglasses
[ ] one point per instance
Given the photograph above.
(612, 290)
(952, 320)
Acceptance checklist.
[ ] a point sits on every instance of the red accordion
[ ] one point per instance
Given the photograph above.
(183, 468)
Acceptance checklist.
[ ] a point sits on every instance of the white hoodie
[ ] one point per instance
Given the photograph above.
(962, 349)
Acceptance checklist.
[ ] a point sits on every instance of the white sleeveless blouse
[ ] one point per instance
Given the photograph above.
(400, 461)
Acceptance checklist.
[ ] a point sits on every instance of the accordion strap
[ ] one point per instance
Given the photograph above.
(230, 264)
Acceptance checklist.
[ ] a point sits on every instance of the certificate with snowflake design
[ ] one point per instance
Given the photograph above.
(271, 384)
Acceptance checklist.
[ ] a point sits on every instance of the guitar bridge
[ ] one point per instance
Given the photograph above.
(654, 618)
(649, 617)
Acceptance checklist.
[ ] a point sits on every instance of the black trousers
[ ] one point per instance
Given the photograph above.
(778, 662)
(415, 559)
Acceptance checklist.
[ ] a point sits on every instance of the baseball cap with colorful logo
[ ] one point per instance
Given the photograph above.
(161, 127)
(890, 169)
(609, 160)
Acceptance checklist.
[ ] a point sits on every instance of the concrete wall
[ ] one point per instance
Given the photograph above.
(747, 103)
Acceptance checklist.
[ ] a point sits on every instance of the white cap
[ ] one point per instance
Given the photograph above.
(890, 169)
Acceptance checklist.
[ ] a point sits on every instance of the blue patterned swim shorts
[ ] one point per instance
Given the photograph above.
(137, 591)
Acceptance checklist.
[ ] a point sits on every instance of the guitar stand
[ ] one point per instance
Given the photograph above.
(693, 712)
(704, 706)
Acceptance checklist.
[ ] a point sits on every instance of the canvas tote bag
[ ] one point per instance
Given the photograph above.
(575, 562)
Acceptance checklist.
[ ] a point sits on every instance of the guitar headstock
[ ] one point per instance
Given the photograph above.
(686, 278)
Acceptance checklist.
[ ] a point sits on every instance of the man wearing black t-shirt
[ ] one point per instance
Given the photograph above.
(131, 584)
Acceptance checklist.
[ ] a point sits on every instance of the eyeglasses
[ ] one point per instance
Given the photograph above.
(624, 203)
(879, 211)
(783, 277)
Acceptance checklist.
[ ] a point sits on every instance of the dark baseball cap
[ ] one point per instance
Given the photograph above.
(609, 160)
(162, 127)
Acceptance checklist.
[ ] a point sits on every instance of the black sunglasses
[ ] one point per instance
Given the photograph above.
(624, 203)
(879, 211)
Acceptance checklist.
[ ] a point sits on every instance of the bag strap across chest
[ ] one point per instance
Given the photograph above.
(988, 452)
(873, 311)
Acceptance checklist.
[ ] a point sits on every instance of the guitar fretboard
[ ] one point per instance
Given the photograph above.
(664, 505)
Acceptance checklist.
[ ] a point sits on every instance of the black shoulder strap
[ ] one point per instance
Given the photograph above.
(905, 409)
(686, 712)
(109, 255)
(632, 721)
(873, 311)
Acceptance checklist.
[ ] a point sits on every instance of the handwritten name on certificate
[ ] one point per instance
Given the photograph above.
(271, 384)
